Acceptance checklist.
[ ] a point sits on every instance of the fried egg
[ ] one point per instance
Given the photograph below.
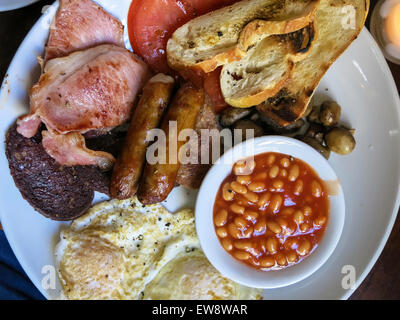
(121, 249)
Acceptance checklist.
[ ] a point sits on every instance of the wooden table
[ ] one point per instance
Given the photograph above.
(383, 282)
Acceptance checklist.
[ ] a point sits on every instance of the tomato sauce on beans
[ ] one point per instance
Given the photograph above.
(274, 217)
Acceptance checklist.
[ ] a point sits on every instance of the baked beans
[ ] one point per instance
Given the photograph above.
(273, 172)
(283, 173)
(273, 217)
(227, 192)
(267, 262)
(227, 244)
(221, 218)
(243, 179)
(222, 232)
(294, 173)
(257, 186)
(251, 196)
(238, 188)
(237, 208)
(253, 215)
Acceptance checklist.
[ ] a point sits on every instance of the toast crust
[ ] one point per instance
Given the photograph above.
(234, 54)
(290, 103)
(269, 17)
(258, 29)
(262, 95)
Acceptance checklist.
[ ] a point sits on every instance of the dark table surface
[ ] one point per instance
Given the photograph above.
(383, 282)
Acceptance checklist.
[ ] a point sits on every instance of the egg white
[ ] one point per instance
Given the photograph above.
(118, 247)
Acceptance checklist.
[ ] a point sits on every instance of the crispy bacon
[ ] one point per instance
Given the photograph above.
(81, 24)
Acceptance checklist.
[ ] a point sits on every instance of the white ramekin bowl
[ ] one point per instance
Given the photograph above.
(240, 272)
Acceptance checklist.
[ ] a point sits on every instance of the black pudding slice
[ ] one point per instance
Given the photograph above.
(58, 192)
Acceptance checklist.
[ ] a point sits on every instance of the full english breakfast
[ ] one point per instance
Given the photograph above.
(250, 65)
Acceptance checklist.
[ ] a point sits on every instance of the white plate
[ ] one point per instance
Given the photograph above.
(360, 81)
(6, 5)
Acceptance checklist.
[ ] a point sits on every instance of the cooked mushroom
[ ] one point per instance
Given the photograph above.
(317, 146)
(255, 116)
(315, 131)
(230, 115)
(314, 114)
(272, 127)
(329, 114)
(248, 125)
(294, 126)
(340, 141)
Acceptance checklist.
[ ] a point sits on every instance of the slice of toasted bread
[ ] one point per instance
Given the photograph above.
(265, 69)
(297, 16)
(225, 35)
(338, 23)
